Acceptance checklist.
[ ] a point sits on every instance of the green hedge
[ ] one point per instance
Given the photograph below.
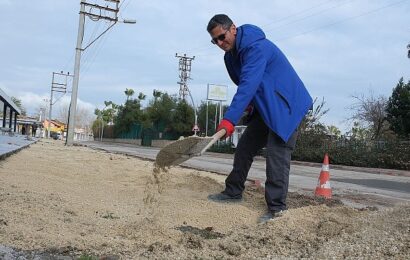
(373, 154)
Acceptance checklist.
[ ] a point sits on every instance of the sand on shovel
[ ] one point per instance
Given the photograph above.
(181, 150)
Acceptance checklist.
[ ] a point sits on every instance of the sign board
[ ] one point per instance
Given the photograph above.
(217, 92)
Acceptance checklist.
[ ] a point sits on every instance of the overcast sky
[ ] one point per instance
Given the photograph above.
(339, 48)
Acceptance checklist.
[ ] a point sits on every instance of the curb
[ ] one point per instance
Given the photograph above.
(9, 153)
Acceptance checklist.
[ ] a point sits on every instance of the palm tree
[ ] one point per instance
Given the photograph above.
(157, 94)
(129, 92)
(142, 96)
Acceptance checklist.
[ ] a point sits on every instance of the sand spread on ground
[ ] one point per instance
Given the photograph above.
(75, 201)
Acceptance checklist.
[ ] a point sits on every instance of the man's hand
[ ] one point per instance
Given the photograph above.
(228, 126)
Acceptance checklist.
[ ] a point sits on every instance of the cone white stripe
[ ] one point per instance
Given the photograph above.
(325, 167)
(325, 185)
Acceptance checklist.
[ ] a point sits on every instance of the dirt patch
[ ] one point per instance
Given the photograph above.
(73, 201)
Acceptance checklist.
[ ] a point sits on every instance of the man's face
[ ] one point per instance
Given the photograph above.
(225, 39)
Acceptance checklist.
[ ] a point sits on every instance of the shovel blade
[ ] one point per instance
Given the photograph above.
(179, 151)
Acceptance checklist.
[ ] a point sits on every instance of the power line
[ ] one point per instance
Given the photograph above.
(329, 25)
(342, 21)
(286, 18)
(296, 14)
(309, 16)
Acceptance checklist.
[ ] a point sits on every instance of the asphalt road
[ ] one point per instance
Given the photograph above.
(355, 186)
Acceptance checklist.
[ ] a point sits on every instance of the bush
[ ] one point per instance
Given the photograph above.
(375, 154)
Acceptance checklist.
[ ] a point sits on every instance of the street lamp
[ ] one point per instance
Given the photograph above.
(129, 21)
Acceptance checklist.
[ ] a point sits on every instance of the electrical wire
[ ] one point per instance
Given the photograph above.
(330, 24)
(309, 16)
(342, 21)
(89, 60)
(297, 13)
(289, 17)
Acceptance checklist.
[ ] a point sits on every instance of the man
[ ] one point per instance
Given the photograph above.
(276, 101)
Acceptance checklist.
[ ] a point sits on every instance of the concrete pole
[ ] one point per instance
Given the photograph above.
(206, 123)
(51, 106)
(196, 116)
(102, 127)
(73, 103)
(220, 112)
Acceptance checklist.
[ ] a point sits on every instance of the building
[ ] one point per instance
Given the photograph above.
(57, 129)
(8, 113)
(29, 126)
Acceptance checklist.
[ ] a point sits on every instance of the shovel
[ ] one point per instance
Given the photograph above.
(179, 151)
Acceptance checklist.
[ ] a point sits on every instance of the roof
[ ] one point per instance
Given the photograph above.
(28, 120)
(8, 100)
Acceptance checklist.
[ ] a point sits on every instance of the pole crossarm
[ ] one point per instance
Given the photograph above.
(101, 17)
(105, 8)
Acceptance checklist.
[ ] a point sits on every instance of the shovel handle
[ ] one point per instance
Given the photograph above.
(218, 135)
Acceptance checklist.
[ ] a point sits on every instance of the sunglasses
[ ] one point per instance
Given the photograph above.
(220, 37)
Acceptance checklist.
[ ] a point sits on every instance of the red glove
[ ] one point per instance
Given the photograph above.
(228, 126)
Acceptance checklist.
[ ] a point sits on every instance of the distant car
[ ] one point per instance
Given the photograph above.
(55, 136)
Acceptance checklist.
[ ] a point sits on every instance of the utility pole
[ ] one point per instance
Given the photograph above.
(94, 12)
(56, 87)
(184, 76)
(408, 50)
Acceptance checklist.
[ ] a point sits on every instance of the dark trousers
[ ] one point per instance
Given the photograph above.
(278, 154)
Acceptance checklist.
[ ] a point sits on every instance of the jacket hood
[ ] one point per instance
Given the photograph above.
(248, 34)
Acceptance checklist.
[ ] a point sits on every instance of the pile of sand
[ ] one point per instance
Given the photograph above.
(72, 201)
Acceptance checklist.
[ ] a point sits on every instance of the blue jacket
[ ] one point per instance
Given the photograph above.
(266, 79)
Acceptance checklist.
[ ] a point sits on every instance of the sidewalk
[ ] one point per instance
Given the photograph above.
(13, 144)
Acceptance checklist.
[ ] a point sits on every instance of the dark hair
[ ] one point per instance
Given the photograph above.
(219, 19)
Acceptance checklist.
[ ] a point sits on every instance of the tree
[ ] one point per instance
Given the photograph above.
(183, 119)
(128, 114)
(370, 112)
(398, 109)
(109, 112)
(157, 94)
(141, 96)
(311, 122)
(19, 104)
(160, 109)
(358, 132)
(83, 117)
(213, 114)
(333, 131)
(129, 92)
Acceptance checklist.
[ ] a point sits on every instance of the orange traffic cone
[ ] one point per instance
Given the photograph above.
(323, 184)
